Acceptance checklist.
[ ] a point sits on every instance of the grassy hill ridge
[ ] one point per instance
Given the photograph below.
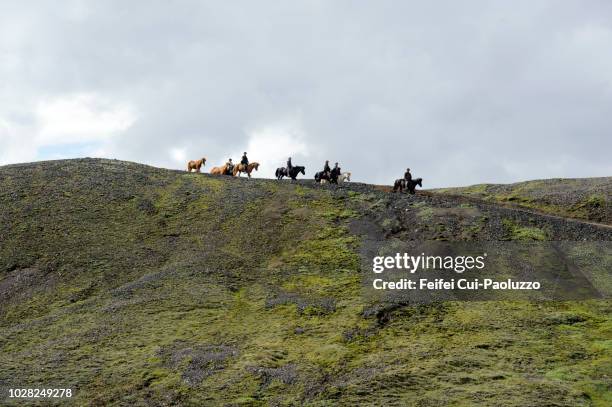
(587, 199)
(142, 286)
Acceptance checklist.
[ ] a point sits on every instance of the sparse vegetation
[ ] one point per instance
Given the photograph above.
(588, 199)
(525, 233)
(136, 285)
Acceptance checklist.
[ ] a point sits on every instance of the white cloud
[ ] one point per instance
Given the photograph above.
(15, 142)
(272, 144)
(83, 119)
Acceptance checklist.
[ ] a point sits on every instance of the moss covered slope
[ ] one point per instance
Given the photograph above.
(141, 286)
(580, 198)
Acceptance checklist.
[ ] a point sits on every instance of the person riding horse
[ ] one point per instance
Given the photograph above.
(408, 175)
(407, 183)
(334, 173)
(326, 169)
(328, 174)
(229, 167)
(244, 161)
(289, 165)
(292, 173)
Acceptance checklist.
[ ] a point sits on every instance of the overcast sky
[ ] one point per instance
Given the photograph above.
(462, 92)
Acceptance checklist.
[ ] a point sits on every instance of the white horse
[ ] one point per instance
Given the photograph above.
(344, 177)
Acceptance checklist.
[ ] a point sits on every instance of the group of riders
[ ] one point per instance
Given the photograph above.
(329, 174)
(229, 165)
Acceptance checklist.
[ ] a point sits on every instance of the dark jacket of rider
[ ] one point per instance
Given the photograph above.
(289, 165)
(408, 175)
(244, 160)
(335, 172)
(326, 168)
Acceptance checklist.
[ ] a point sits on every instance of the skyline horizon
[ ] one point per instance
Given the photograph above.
(309, 176)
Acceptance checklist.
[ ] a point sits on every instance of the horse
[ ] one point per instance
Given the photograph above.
(280, 173)
(196, 164)
(401, 184)
(249, 168)
(344, 177)
(222, 170)
(295, 170)
(322, 177)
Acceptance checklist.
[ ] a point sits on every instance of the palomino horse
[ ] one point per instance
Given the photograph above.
(401, 184)
(249, 168)
(196, 164)
(222, 170)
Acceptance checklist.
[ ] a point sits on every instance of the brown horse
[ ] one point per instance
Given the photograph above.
(222, 170)
(249, 168)
(196, 164)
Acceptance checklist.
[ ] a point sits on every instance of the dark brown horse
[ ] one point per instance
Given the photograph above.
(401, 184)
(293, 173)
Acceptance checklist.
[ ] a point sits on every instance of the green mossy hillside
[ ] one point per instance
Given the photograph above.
(581, 198)
(134, 285)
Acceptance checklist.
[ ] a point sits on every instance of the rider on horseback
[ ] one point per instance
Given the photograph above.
(326, 169)
(333, 176)
(289, 166)
(407, 183)
(229, 167)
(408, 175)
(244, 161)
